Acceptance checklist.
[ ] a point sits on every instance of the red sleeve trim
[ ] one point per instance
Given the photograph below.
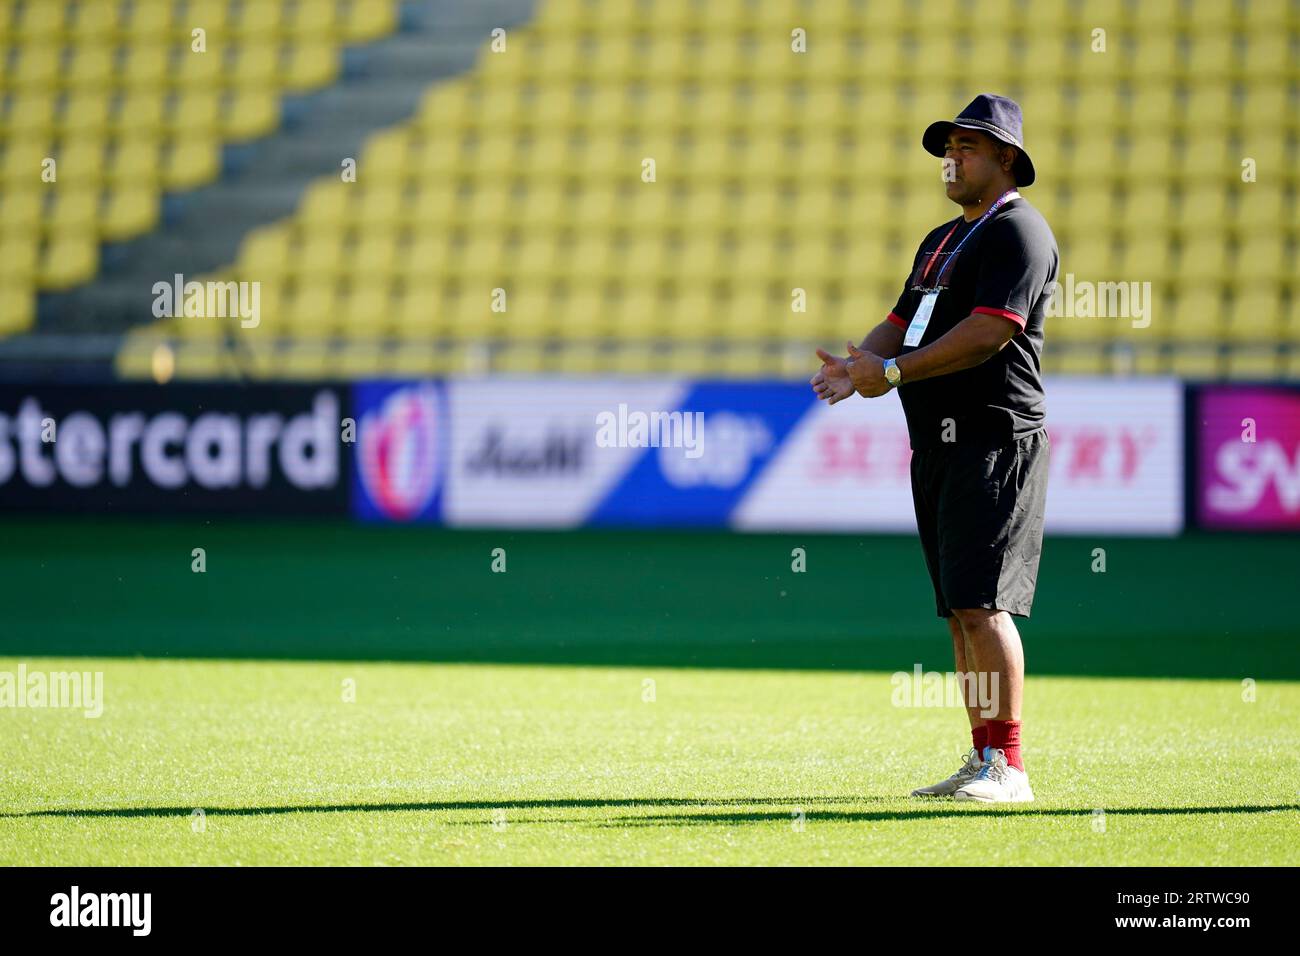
(1004, 313)
(898, 321)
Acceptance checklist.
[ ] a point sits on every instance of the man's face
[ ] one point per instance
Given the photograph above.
(973, 160)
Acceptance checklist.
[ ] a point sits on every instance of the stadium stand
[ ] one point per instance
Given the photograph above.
(1165, 158)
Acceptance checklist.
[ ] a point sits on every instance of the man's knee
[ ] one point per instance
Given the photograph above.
(973, 619)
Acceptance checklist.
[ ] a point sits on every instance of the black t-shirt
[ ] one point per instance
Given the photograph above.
(1006, 268)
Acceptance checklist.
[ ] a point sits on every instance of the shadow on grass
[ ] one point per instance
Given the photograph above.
(821, 808)
(948, 809)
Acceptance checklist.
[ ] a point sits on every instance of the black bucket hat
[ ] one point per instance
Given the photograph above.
(995, 115)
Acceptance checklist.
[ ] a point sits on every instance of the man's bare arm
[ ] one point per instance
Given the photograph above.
(885, 340)
(973, 340)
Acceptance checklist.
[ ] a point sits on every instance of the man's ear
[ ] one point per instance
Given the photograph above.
(1008, 157)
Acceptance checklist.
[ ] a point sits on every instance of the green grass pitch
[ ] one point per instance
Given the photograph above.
(502, 719)
(520, 765)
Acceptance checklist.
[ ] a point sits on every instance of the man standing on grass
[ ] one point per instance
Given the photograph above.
(962, 346)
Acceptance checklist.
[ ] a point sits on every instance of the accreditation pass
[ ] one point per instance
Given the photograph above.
(921, 320)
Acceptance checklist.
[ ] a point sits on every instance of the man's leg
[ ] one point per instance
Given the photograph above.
(995, 644)
(965, 664)
(978, 732)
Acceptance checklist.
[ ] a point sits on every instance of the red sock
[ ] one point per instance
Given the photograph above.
(980, 738)
(1004, 735)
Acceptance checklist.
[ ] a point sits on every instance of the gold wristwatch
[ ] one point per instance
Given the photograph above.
(892, 374)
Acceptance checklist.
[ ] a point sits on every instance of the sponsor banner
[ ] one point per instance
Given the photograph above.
(741, 428)
(525, 452)
(531, 452)
(400, 451)
(1248, 458)
(1116, 464)
(176, 448)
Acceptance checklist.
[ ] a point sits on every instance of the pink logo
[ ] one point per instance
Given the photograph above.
(1249, 459)
(397, 452)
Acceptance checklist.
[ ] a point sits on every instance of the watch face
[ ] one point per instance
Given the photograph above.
(892, 374)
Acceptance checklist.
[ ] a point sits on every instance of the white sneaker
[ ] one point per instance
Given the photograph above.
(946, 788)
(997, 782)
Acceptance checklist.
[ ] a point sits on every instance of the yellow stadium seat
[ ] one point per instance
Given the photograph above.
(199, 70)
(377, 204)
(1146, 258)
(41, 22)
(1203, 210)
(128, 212)
(469, 316)
(429, 257)
(1203, 257)
(311, 64)
(373, 256)
(368, 20)
(1092, 160)
(190, 162)
(1265, 109)
(135, 160)
(1211, 56)
(1267, 55)
(17, 308)
(81, 160)
(31, 114)
(73, 208)
(91, 65)
(436, 205)
(703, 209)
(1211, 16)
(1154, 57)
(415, 308)
(1155, 107)
(248, 114)
(1260, 210)
(264, 254)
(194, 113)
(255, 62)
(21, 210)
(257, 20)
(1261, 259)
(85, 112)
(18, 259)
(140, 112)
(592, 259)
(68, 260)
(312, 19)
(145, 66)
(1196, 314)
(535, 260)
(326, 203)
(309, 311)
(1256, 314)
(364, 307)
(146, 20)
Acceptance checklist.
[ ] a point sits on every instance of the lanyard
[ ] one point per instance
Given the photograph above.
(1002, 200)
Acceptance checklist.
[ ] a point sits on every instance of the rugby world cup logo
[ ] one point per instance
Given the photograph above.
(397, 452)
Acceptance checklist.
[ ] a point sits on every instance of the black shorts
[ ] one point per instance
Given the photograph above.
(979, 511)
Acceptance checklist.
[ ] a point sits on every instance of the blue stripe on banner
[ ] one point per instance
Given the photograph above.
(684, 482)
